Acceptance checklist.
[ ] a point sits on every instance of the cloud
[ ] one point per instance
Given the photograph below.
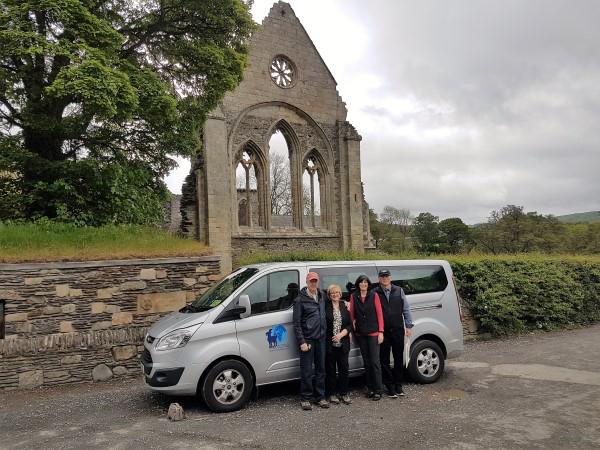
(467, 105)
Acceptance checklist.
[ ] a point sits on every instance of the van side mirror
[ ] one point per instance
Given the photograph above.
(244, 302)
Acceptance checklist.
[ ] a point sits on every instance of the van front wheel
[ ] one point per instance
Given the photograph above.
(426, 362)
(227, 386)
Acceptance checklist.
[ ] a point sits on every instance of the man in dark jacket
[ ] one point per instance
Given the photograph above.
(310, 327)
(397, 323)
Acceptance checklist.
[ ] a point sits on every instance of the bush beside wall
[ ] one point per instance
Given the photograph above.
(514, 295)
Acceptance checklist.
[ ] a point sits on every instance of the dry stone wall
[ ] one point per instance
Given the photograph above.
(73, 322)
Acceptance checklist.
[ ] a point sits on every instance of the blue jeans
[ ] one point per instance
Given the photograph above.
(312, 384)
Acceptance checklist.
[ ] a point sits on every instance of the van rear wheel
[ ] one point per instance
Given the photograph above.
(227, 386)
(426, 362)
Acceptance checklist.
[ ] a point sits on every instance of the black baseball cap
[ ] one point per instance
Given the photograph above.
(384, 273)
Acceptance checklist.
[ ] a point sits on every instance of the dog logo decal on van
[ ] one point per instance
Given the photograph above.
(277, 337)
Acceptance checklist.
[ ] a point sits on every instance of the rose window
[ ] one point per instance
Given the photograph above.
(282, 72)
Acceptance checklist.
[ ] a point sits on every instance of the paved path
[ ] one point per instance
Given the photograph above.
(537, 391)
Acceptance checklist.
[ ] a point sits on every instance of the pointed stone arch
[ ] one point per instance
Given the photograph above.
(257, 159)
(294, 154)
(320, 170)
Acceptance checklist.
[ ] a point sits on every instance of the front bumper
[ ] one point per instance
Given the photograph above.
(170, 375)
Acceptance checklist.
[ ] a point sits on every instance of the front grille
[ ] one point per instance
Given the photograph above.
(146, 359)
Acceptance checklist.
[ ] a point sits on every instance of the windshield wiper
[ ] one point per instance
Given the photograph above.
(188, 308)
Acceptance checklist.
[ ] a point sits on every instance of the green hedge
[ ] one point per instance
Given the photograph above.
(507, 294)
(511, 295)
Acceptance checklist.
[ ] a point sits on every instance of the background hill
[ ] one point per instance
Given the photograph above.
(586, 217)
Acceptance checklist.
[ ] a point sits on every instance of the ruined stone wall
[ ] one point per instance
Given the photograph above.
(247, 245)
(71, 322)
(172, 214)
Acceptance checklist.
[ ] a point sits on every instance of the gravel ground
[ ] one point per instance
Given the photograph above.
(534, 391)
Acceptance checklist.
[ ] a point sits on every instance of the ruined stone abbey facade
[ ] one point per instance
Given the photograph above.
(227, 199)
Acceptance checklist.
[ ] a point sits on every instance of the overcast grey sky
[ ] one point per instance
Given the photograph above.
(466, 105)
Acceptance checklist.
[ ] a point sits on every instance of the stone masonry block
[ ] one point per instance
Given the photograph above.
(101, 325)
(98, 307)
(148, 274)
(122, 318)
(75, 292)
(124, 352)
(201, 269)
(112, 308)
(214, 277)
(106, 292)
(33, 281)
(35, 313)
(120, 370)
(160, 302)
(133, 286)
(66, 326)
(17, 317)
(189, 282)
(9, 294)
(24, 327)
(62, 290)
(161, 273)
(56, 375)
(71, 359)
(101, 373)
(52, 310)
(31, 379)
(68, 308)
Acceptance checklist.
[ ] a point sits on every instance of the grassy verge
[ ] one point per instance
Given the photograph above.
(42, 242)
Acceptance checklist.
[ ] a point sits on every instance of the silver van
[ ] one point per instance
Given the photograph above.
(239, 334)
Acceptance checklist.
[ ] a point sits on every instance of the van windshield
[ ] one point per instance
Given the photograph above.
(220, 291)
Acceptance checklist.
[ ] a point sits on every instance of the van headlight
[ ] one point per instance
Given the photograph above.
(176, 338)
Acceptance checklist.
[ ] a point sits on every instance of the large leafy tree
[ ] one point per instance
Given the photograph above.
(88, 86)
(426, 232)
(454, 235)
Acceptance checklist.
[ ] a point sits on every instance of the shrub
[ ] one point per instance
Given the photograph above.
(514, 295)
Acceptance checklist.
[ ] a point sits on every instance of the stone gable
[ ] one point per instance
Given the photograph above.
(287, 88)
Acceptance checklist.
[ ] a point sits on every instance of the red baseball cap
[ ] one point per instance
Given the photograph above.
(312, 276)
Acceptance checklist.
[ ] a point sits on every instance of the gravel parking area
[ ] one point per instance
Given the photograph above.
(534, 391)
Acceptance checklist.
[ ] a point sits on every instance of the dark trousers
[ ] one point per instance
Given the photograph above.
(337, 358)
(369, 349)
(393, 340)
(312, 379)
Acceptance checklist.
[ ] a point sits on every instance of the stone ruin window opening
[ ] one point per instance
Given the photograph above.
(247, 189)
(283, 72)
(311, 193)
(280, 186)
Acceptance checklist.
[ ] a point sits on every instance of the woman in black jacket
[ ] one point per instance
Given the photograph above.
(338, 346)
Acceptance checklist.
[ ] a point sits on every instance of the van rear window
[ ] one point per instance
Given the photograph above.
(419, 279)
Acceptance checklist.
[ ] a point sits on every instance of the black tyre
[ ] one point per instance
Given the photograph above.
(227, 386)
(426, 362)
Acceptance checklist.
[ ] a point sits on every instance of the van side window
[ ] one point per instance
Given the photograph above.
(344, 277)
(274, 292)
(419, 279)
